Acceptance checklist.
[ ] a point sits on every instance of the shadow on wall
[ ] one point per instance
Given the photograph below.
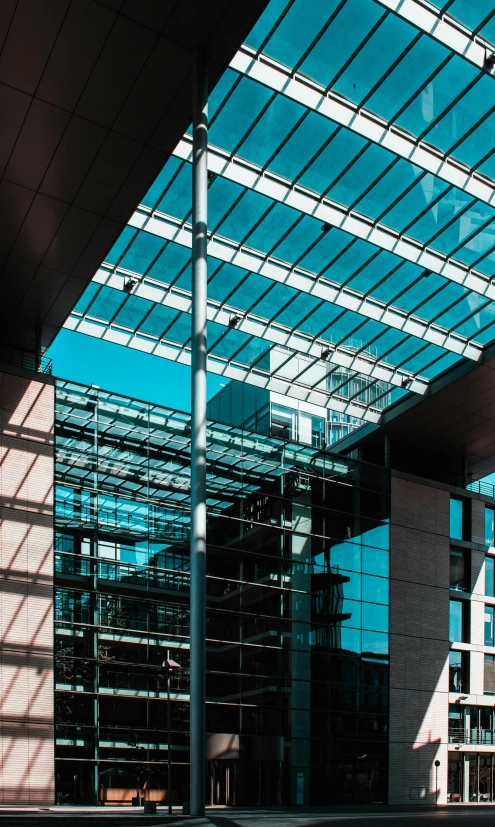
(26, 590)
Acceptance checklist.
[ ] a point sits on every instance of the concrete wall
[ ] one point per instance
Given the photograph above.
(26, 590)
(419, 642)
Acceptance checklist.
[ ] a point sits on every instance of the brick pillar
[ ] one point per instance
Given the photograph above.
(419, 642)
(26, 590)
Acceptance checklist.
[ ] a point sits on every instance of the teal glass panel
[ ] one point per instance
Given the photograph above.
(374, 643)
(297, 310)
(251, 352)
(490, 573)
(224, 342)
(466, 112)
(417, 294)
(222, 194)
(142, 252)
(265, 23)
(445, 362)
(477, 145)
(329, 163)
(118, 249)
(346, 556)
(355, 256)
(409, 75)
(266, 235)
(180, 331)
(170, 263)
(303, 144)
(388, 188)
(456, 519)
(235, 118)
(321, 318)
(434, 99)
(298, 29)
(247, 293)
(247, 212)
(376, 561)
(455, 621)
(87, 297)
(158, 320)
(364, 171)
(278, 295)
(489, 626)
(106, 303)
(383, 48)
(271, 129)
(133, 312)
(345, 34)
(161, 182)
(396, 285)
(220, 91)
(375, 271)
(489, 527)
(375, 617)
(325, 250)
(295, 244)
(375, 589)
(432, 308)
(177, 199)
(470, 12)
(427, 189)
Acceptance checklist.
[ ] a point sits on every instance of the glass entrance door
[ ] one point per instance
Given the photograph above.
(485, 778)
(473, 778)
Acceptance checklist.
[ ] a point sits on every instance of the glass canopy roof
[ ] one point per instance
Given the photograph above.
(351, 208)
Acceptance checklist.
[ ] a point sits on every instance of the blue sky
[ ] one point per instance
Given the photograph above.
(116, 368)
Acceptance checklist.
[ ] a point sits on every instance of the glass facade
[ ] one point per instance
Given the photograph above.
(297, 611)
(456, 519)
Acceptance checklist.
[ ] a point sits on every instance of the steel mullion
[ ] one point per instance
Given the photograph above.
(386, 306)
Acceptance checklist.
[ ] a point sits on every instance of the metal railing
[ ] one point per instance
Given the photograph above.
(27, 359)
(482, 487)
(479, 737)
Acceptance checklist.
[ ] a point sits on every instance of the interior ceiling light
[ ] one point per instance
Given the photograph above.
(325, 353)
(406, 382)
(129, 285)
(234, 321)
(325, 228)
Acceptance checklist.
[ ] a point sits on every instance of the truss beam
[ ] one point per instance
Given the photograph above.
(359, 120)
(307, 282)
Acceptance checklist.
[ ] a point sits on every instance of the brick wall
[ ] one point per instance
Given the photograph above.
(26, 591)
(419, 642)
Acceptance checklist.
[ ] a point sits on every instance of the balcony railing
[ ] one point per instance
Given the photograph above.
(20, 358)
(479, 737)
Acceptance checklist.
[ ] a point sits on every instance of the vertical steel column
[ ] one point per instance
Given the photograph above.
(198, 435)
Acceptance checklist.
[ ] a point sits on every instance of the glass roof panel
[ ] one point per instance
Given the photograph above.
(430, 104)
(377, 60)
(304, 143)
(410, 74)
(339, 42)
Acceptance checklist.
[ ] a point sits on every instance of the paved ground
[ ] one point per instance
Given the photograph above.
(456, 816)
(453, 816)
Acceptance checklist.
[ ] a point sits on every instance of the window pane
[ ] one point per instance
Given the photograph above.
(489, 576)
(455, 620)
(458, 570)
(489, 515)
(489, 640)
(456, 519)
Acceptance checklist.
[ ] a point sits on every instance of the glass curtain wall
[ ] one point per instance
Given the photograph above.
(297, 612)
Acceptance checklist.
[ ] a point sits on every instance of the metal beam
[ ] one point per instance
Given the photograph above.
(264, 329)
(443, 28)
(307, 282)
(181, 354)
(363, 122)
(198, 437)
(337, 215)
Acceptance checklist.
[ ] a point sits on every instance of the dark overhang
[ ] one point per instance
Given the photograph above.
(93, 98)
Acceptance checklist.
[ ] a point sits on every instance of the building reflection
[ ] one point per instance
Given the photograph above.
(297, 611)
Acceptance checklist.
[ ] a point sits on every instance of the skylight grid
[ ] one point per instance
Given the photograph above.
(348, 212)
